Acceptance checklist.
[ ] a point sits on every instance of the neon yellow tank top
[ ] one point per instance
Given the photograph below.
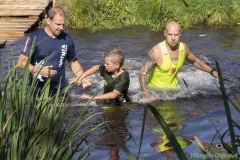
(166, 75)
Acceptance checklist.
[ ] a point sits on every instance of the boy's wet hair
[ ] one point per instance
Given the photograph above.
(55, 11)
(117, 54)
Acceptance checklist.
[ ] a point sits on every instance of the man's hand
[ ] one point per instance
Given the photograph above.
(147, 97)
(75, 80)
(215, 74)
(46, 71)
(86, 83)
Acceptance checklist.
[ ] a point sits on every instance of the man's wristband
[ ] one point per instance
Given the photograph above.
(212, 71)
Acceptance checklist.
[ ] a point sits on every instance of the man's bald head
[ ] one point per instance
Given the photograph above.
(172, 33)
(173, 24)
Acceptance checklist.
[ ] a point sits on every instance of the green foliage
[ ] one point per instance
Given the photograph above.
(33, 127)
(166, 11)
(97, 14)
(74, 9)
(100, 14)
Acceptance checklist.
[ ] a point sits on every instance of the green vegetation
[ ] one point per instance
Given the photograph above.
(231, 122)
(100, 14)
(33, 127)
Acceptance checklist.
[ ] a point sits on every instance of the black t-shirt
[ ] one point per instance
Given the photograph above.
(120, 83)
(45, 50)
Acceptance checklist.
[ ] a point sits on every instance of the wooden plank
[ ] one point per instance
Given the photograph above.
(22, 3)
(4, 30)
(22, 12)
(25, 9)
(12, 4)
(15, 24)
(36, 6)
(18, 27)
(9, 39)
(18, 21)
(12, 32)
(26, 1)
(22, 19)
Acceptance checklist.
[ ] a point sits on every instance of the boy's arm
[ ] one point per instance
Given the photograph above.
(106, 96)
(89, 72)
(80, 77)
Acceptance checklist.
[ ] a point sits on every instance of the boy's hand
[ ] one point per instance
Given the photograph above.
(86, 96)
(86, 83)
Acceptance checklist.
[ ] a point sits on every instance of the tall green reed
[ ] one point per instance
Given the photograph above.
(32, 127)
(231, 123)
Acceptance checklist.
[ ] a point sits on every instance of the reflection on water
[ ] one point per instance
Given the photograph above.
(101, 139)
(185, 117)
(173, 118)
(116, 116)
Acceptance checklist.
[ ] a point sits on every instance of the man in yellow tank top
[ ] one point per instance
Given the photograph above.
(160, 68)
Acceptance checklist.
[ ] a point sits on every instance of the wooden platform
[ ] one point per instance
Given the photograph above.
(18, 17)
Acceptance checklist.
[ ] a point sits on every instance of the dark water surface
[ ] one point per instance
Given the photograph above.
(185, 117)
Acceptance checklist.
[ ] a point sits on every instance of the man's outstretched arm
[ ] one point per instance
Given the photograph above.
(199, 64)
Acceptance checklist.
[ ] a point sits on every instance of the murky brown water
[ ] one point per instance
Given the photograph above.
(185, 117)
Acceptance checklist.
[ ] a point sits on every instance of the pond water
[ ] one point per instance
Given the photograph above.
(189, 111)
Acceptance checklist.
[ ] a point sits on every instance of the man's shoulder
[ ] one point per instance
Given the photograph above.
(38, 35)
(65, 36)
(186, 48)
(37, 32)
(157, 53)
